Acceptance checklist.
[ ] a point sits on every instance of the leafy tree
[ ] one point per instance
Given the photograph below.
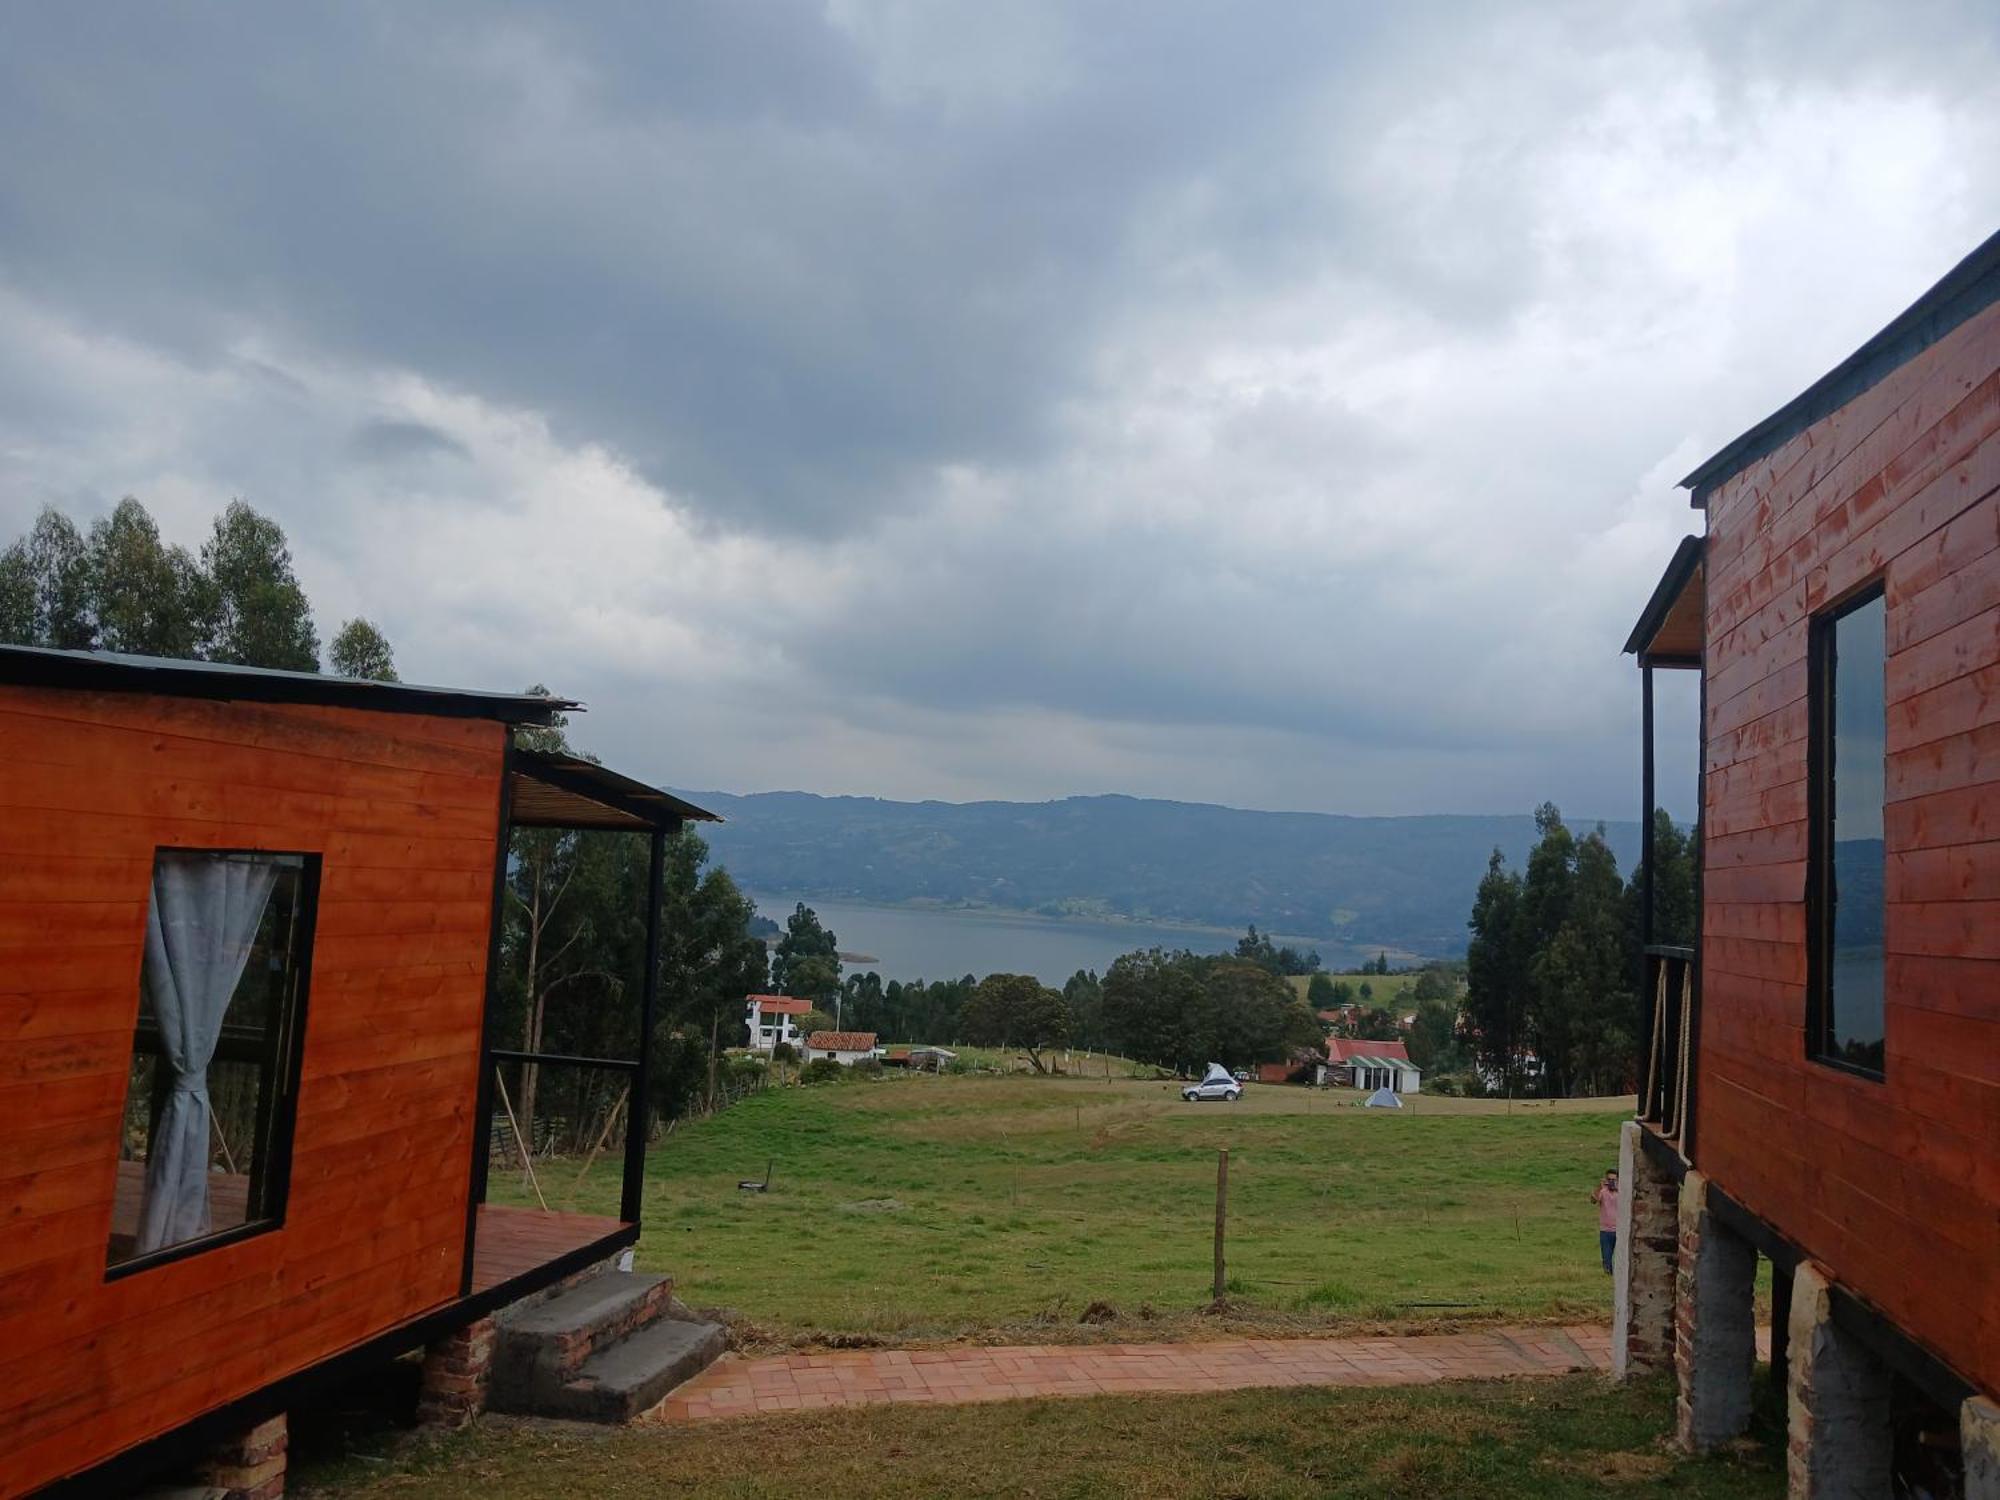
(708, 958)
(864, 1004)
(144, 597)
(45, 587)
(807, 962)
(1433, 1038)
(361, 650)
(1433, 985)
(1017, 1010)
(1496, 997)
(261, 615)
(1375, 1024)
(1673, 895)
(1549, 968)
(1321, 993)
(813, 1020)
(1184, 1010)
(1083, 993)
(1256, 947)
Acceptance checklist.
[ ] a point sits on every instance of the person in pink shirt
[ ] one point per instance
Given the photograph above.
(1605, 1196)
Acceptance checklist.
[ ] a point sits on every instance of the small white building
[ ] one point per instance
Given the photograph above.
(845, 1047)
(1356, 1064)
(772, 1019)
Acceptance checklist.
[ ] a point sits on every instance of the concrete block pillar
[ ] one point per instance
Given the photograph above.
(1715, 1326)
(250, 1466)
(1642, 1268)
(1979, 1445)
(1839, 1444)
(457, 1369)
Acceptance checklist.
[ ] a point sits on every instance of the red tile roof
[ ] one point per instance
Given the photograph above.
(780, 1005)
(841, 1041)
(1340, 1049)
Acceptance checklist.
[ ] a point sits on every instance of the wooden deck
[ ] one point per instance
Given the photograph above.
(509, 1243)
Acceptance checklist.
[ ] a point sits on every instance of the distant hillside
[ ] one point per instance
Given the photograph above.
(1400, 883)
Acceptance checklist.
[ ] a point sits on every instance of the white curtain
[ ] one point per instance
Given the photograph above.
(204, 917)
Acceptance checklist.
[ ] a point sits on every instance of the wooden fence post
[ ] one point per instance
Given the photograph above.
(1221, 1216)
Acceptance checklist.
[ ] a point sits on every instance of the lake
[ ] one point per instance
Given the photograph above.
(927, 943)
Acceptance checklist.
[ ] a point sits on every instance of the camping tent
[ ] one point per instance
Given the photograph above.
(1383, 1099)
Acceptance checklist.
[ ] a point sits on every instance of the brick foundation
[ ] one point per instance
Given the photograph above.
(1643, 1267)
(251, 1466)
(456, 1371)
(1839, 1444)
(1979, 1442)
(1715, 1331)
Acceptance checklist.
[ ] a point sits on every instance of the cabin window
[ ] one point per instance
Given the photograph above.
(1847, 701)
(206, 1144)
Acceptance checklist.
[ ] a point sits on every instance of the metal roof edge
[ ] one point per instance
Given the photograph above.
(115, 672)
(1963, 292)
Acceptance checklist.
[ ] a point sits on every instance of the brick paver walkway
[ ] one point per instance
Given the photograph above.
(794, 1382)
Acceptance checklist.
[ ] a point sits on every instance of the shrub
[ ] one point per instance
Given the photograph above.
(822, 1070)
(784, 1052)
(867, 1067)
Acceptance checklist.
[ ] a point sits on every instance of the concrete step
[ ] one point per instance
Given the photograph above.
(636, 1373)
(546, 1344)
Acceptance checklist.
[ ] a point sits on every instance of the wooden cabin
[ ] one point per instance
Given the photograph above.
(1822, 1068)
(248, 927)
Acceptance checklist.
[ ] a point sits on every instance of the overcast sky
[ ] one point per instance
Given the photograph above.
(1269, 404)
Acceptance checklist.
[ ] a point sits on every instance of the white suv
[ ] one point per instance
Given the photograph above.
(1213, 1088)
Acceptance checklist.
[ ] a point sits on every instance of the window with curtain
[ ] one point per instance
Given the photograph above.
(1849, 728)
(206, 1143)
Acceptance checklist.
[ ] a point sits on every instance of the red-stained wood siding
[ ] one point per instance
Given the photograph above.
(403, 810)
(1894, 1186)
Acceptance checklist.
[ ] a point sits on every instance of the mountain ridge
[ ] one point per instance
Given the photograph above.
(1403, 883)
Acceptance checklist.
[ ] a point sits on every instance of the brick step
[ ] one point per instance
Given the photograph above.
(637, 1373)
(541, 1347)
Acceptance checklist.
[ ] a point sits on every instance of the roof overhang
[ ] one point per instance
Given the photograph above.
(1670, 629)
(114, 672)
(549, 789)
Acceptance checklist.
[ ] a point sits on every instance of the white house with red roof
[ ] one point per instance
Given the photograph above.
(773, 1020)
(1357, 1064)
(845, 1047)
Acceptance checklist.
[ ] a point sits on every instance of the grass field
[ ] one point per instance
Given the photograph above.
(1552, 1439)
(1382, 987)
(937, 1207)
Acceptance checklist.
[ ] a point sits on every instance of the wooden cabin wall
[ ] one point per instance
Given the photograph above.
(1893, 1185)
(404, 811)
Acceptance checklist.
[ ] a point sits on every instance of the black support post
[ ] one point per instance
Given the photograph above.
(649, 990)
(1646, 796)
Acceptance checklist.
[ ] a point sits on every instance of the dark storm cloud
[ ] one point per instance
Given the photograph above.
(705, 233)
(1277, 403)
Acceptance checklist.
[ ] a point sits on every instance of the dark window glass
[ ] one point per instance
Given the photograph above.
(1850, 722)
(206, 1141)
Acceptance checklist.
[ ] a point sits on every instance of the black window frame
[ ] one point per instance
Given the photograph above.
(1821, 775)
(278, 1104)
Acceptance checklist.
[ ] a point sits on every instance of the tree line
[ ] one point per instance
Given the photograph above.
(1554, 962)
(120, 587)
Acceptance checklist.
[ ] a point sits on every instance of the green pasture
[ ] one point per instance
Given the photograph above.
(937, 1207)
